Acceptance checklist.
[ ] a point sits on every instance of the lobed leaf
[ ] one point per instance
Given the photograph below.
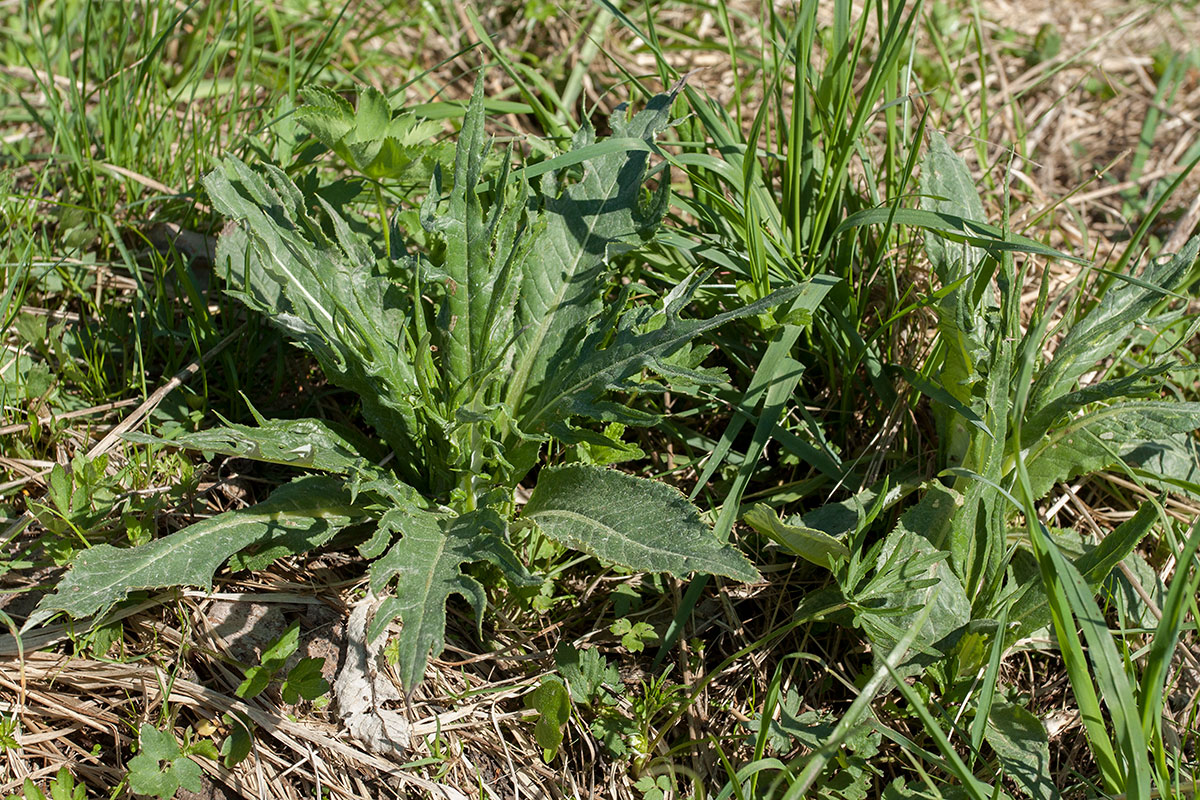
(586, 222)
(605, 361)
(300, 515)
(426, 568)
(326, 293)
(306, 443)
(913, 581)
(1095, 440)
(1096, 335)
(368, 138)
(481, 261)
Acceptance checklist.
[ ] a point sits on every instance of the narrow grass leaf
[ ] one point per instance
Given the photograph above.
(1107, 665)
(956, 229)
(854, 715)
(953, 763)
(1030, 611)
(1162, 648)
(1075, 661)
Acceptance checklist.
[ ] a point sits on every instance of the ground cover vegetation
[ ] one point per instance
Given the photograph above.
(673, 400)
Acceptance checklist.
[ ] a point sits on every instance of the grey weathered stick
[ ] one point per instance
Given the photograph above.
(1183, 229)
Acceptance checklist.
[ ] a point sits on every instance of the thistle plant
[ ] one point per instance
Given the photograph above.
(470, 358)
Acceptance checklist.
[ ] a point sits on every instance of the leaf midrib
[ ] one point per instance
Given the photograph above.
(529, 357)
(575, 516)
(241, 519)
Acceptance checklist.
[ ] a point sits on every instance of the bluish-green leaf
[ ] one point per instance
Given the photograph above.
(947, 187)
(1095, 440)
(1097, 334)
(605, 361)
(482, 257)
(955, 229)
(911, 573)
(324, 292)
(306, 443)
(586, 222)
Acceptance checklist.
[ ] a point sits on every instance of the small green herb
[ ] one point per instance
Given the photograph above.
(553, 704)
(161, 767)
(634, 635)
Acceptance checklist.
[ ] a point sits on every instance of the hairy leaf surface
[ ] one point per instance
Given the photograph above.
(594, 368)
(426, 566)
(301, 515)
(326, 293)
(1020, 742)
(1097, 335)
(910, 574)
(586, 222)
(305, 443)
(481, 262)
(1095, 440)
(949, 188)
(637, 523)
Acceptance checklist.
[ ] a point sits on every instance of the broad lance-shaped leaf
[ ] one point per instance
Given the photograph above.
(326, 293)
(299, 516)
(947, 187)
(1096, 335)
(1095, 440)
(1171, 463)
(810, 544)
(586, 222)
(482, 261)
(1023, 749)
(641, 524)
(426, 565)
(591, 369)
(305, 443)
(1127, 387)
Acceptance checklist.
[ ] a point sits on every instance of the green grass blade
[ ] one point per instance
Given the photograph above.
(1162, 648)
